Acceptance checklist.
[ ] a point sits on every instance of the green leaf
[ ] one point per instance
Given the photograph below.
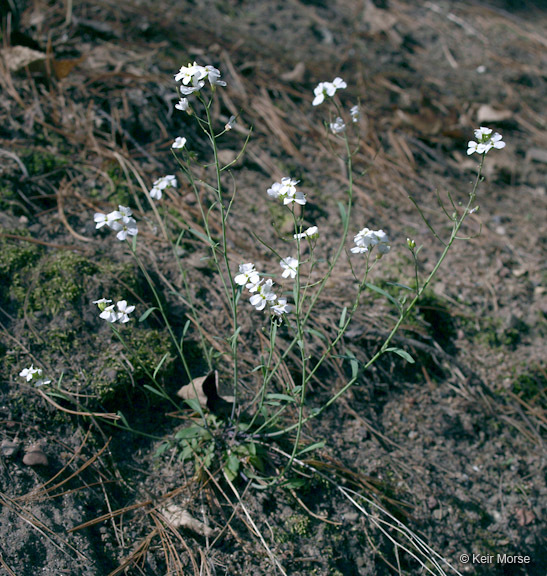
(295, 483)
(190, 432)
(204, 237)
(354, 363)
(274, 396)
(159, 393)
(343, 316)
(312, 447)
(384, 293)
(399, 285)
(160, 364)
(319, 335)
(147, 313)
(193, 403)
(343, 213)
(401, 353)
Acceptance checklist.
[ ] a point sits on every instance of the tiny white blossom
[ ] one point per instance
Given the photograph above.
(123, 311)
(281, 307)
(247, 274)
(263, 295)
(191, 74)
(286, 191)
(485, 141)
(182, 104)
(179, 142)
(161, 184)
(311, 232)
(337, 126)
(128, 227)
(28, 373)
(289, 266)
(33, 375)
(366, 239)
(102, 219)
(102, 303)
(327, 89)
(230, 124)
(109, 314)
(338, 83)
(187, 90)
(355, 113)
(125, 212)
(213, 76)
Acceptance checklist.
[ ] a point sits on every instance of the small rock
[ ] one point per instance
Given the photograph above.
(9, 448)
(35, 456)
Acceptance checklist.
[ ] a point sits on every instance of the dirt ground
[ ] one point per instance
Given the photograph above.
(444, 457)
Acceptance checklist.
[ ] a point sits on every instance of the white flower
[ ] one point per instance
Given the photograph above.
(355, 114)
(366, 239)
(125, 212)
(481, 132)
(230, 124)
(286, 191)
(247, 275)
(128, 227)
(263, 295)
(327, 89)
(118, 313)
(485, 141)
(123, 311)
(187, 90)
(337, 126)
(214, 76)
(254, 286)
(28, 373)
(33, 375)
(191, 74)
(338, 83)
(289, 266)
(275, 190)
(311, 232)
(297, 198)
(109, 314)
(161, 184)
(102, 303)
(182, 104)
(179, 142)
(102, 219)
(281, 307)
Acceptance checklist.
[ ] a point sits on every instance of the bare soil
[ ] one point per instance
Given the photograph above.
(450, 449)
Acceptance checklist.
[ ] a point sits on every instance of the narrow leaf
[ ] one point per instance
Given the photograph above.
(401, 353)
(147, 313)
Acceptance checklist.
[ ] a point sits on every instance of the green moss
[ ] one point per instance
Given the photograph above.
(60, 280)
(299, 524)
(144, 350)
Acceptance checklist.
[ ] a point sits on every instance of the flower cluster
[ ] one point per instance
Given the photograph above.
(286, 191)
(114, 313)
(193, 79)
(355, 113)
(166, 181)
(120, 221)
(366, 239)
(262, 290)
(33, 375)
(486, 141)
(327, 89)
(337, 126)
